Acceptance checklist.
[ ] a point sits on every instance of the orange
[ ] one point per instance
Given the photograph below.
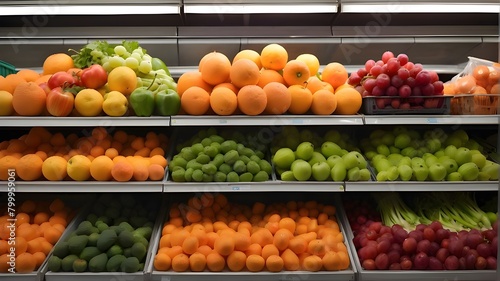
(349, 101)
(262, 237)
(52, 235)
(278, 98)
(190, 79)
(290, 260)
(195, 101)
(57, 62)
(298, 245)
(190, 245)
(215, 68)
(274, 263)
(100, 168)
(54, 168)
(324, 102)
(43, 79)
(40, 218)
(314, 84)
(228, 85)
(269, 250)
(301, 99)
(311, 61)
(27, 206)
(56, 205)
(312, 263)
(4, 262)
(46, 246)
(141, 171)
(316, 247)
(268, 75)
(29, 75)
(250, 55)
(287, 223)
(197, 262)
(122, 171)
(481, 72)
(244, 72)
(21, 245)
(223, 101)
(6, 163)
(78, 168)
(495, 89)
(236, 261)
(180, 263)
(241, 241)
(162, 262)
(29, 167)
(10, 82)
(122, 79)
(156, 172)
(28, 99)
(252, 100)
(274, 56)
(282, 239)
(205, 250)
(335, 74)
(25, 263)
(465, 84)
(224, 245)
(255, 263)
(215, 262)
(296, 72)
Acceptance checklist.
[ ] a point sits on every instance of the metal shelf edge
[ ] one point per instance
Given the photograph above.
(275, 120)
(104, 121)
(421, 186)
(83, 187)
(430, 119)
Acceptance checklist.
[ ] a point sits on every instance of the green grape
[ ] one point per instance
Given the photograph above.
(116, 61)
(138, 51)
(96, 53)
(136, 56)
(106, 66)
(120, 50)
(104, 60)
(132, 63)
(145, 66)
(126, 55)
(147, 57)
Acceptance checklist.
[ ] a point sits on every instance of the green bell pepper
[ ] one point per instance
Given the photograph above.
(142, 101)
(167, 102)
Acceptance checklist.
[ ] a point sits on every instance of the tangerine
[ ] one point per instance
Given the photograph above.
(28, 99)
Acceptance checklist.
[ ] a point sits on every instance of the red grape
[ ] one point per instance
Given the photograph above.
(385, 229)
(354, 79)
(403, 73)
(442, 254)
(434, 76)
(406, 264)
(421, 261)
(416, 91)
(380, 63)
(386, 56)
(386, 236)
(404, 105)
(482, 263)
(451, 263)
(420, 227)
(400, 235)
(392, 66)
(470, 261)
(423, 78)
(371, 234)
(415, 71)
(427, 90)
(369, 64)
(461, 263)
(396, 81)
(383, 246)
(441, 234)
(445, 243)
(393, 256)
(377, 91)
(429, 234)
(435, 225)
(396, 247)
(369, 264)
(409, 65)
(494, 246)
(365, 94)
(491, 263)
(423, 246)
(383, 81)
(433, 248)
(395, 103)
(418, 235)
(435, 264)
(403, 59)
(473, 239)
(484, 250)
(392, 91)
(382, 261)
(395, 266)
(489, 234)
(455, 247)
(362, 72)
(409, 245)
(370, 252)
(369, 84)
(404, 91)
(411, 82)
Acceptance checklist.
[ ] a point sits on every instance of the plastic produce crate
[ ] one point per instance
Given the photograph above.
(413, 275)
(6, 68)
(226, 274)
(97, 276)
(437, 105)
(475, 104)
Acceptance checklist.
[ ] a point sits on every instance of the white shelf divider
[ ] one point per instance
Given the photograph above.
(84, 187)
(431, 119)
(373, 186)
(100, 121)
(266, 120)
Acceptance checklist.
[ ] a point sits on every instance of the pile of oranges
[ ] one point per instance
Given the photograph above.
(209, 233)
(101, 155)
(266, 83)
(39, 225)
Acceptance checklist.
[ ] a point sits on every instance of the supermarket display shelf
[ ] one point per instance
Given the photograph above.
(86, 186)
(95, 276)
(427, 275)
(422, 186)
(34, 276)
(265, 120)
(103, 121)
(253, 276)
(431, 119)
(269, 186)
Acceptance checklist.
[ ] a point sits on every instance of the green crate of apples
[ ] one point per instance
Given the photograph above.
(225, 156)
(308, 156)
(403, 154)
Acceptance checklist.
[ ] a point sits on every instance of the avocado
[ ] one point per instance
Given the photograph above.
(130, 265)
(126, 239)
(77, 243)
(114, 263)
(106, 239)
(139, 251)
(89, 252)
(93, 239)
(98, 263)
(114, 250)
(84, 228)
(79, 265)
(61, 249)
(67, 263)
(144, 232)
(54, 264)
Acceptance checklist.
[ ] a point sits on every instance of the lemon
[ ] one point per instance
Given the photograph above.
(6, 103)
(78, 168)
(122, 79)
(88, 102)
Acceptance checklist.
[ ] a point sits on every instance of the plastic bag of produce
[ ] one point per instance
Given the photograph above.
(476, 88)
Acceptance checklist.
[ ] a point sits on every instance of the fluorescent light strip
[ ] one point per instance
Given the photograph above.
(259, 9)
(89, 10)
(420, 8)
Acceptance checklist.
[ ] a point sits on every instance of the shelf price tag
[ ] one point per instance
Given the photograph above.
(240, 187)
(432, 120)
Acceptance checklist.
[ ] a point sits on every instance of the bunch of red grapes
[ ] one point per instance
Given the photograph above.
(398, 77)
(428, 247)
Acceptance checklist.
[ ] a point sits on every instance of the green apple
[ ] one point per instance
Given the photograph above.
(479, 159)
(421, 151)
(320, 171)
(351, 159)
(421, 172)
(450, 164)
(288, 176)
(338, 172)
(382, 165)
(364, 174)
(399, 130)
(450, 151)
(439, 153)
(473, 145)
(377, 134)
(329, 148)
(417, 161)
(316, 157)
(382, 176)
(492, 169)
(292, 143)
(455, 176)
(370, 154)
(394, 150)
(378, 157)
(430, 160)
(469, 171)
(433, 145)
(409, 151)
(333, 160)
(392, 173)
(463, 155)
(353, 174)
(394, 158)
(305, 150)
(283, 158)
(306, 135)
(302, 171)
(343, 152)
(279, 170)
(388, 139)
(437, 172)
(405, 161)
(402, 140)
(414, 134)
(383, 149)
(332, 135)
(483, 176)
(405, 172)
